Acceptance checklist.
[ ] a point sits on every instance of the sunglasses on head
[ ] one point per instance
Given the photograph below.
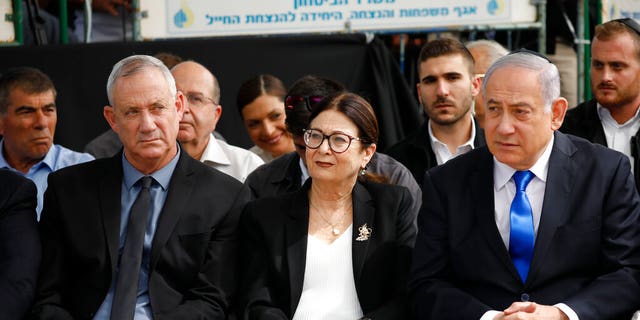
(292, 101)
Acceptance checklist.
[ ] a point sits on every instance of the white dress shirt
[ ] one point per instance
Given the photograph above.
(328, 289)
(441, 150)
(619, 135)
(504, 189)
(232, 160)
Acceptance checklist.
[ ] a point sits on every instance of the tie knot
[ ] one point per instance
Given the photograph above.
(145, 182)
(522, 179)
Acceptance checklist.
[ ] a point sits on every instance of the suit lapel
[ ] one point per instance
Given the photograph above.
(180, 187)
(110, 189)
(363, 213)
(594, 125)
(297, 230)
(483, 196)
(554, 207)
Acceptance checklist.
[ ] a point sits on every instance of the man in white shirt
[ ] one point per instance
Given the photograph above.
(611, 118)
(201, 115)
(446, 90)
(537, 225)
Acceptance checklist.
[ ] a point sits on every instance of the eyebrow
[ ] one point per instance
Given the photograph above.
(27, 107)
(446, 74)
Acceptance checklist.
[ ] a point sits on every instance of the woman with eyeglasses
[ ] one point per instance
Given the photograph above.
(338, 248)
(261, 105)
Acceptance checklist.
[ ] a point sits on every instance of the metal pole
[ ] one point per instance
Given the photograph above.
(542, 32)
(64, 29)
(137, 15)
(18, 18)
(583, 54)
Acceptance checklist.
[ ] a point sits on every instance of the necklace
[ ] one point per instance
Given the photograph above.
(334, 227)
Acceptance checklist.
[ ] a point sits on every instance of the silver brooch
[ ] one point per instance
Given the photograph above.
(365, 233)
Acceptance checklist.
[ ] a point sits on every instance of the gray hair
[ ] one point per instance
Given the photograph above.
(548, 75)
(492, 49)
(134, 64)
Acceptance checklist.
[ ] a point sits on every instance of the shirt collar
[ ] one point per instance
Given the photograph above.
(469, 142)
(303, 170)
(48, 160)
(131, 175)
(605, 115)
(502, 173)
(214, 153)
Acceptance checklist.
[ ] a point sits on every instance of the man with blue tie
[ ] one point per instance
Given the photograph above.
(537, 224)
(149, 233)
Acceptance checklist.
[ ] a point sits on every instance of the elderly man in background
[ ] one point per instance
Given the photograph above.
(485, 53)
(201, 114)
(28, 117)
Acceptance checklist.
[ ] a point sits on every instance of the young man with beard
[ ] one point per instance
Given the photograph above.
(446, 91)
(611, 118)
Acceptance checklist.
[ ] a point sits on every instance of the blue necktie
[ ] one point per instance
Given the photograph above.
(522, 238)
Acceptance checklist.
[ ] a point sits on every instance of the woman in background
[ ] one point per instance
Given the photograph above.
(338, 248)
(261, 104)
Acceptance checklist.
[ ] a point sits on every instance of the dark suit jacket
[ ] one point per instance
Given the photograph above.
(193, 252)
(583, 121)
(415, 152)
(275, 231)
(587, 249)
(19, 245)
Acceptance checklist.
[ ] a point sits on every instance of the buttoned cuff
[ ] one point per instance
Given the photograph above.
(490, 315)
(567, 310)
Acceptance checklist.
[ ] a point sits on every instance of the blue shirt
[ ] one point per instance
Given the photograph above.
(129, 193)
(56, 158)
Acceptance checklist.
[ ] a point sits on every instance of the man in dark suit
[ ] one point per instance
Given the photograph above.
(563, 244)
(19, 245)
(181, 214)
(611, 118)
(446, 91)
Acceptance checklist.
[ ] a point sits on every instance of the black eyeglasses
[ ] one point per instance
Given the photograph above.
(291, 101)
(197, 99)
(338, 142)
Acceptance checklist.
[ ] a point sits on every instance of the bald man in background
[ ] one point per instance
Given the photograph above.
(201, 115)
(484, 52)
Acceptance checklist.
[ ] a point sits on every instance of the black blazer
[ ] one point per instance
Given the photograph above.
(415, 152)
(274, 233)
(584, 121)
(19, 245)
(193, 252)
(587, 249)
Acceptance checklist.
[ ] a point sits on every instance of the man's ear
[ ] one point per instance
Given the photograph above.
(180, 104)
(476, 83)
(558, 111)
(110, 116)
(217, 112)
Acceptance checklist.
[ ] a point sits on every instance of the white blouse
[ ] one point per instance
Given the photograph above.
(329, 290)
